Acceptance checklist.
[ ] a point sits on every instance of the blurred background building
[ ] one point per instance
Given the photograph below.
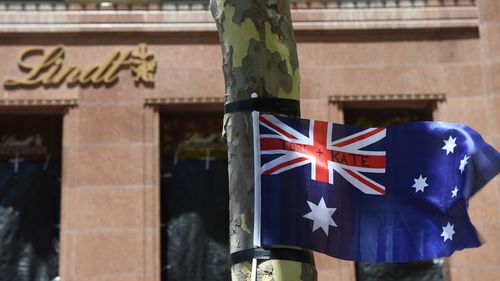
(112, 167)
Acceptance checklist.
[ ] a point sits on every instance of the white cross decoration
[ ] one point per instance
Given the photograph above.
(207, 159)
(16, 162)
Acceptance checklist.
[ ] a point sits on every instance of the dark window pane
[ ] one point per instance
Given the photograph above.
(385, 116)
(194, 198)
(30, 187)
(406, 271)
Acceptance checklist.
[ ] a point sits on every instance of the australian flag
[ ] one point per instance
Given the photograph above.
(392, 194)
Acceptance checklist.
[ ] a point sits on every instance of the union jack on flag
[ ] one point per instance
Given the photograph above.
(315, 146)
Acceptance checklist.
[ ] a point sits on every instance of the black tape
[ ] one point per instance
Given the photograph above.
(287, 107)
(272, 254)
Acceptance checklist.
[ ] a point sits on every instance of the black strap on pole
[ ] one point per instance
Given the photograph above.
(272, 254)
(286, 107)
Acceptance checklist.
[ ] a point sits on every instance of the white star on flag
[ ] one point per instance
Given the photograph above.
(321, 216)
(463, 162)
(454, 192)
(449, 145)
(420, 184)
(448, 232)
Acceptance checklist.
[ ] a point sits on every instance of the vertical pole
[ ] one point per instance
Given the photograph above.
(257, 193)
(259, 56)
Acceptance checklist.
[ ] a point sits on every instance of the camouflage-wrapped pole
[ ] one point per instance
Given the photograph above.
(259, 56)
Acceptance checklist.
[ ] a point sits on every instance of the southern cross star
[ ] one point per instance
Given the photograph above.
(321, 216)
(463, 162)
(454, 192)
(449, 145)
(420, 184)
(448, 232)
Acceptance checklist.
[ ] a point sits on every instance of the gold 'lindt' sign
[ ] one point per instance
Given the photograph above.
(47, 68)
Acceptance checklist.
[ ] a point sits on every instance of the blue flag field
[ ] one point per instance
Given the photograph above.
(392, 194)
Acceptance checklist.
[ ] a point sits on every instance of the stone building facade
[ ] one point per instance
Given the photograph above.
(441, 57)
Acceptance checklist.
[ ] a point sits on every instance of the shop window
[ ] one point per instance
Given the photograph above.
(421, 270)
(194, 198)
(385, 116)
(30, 187)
